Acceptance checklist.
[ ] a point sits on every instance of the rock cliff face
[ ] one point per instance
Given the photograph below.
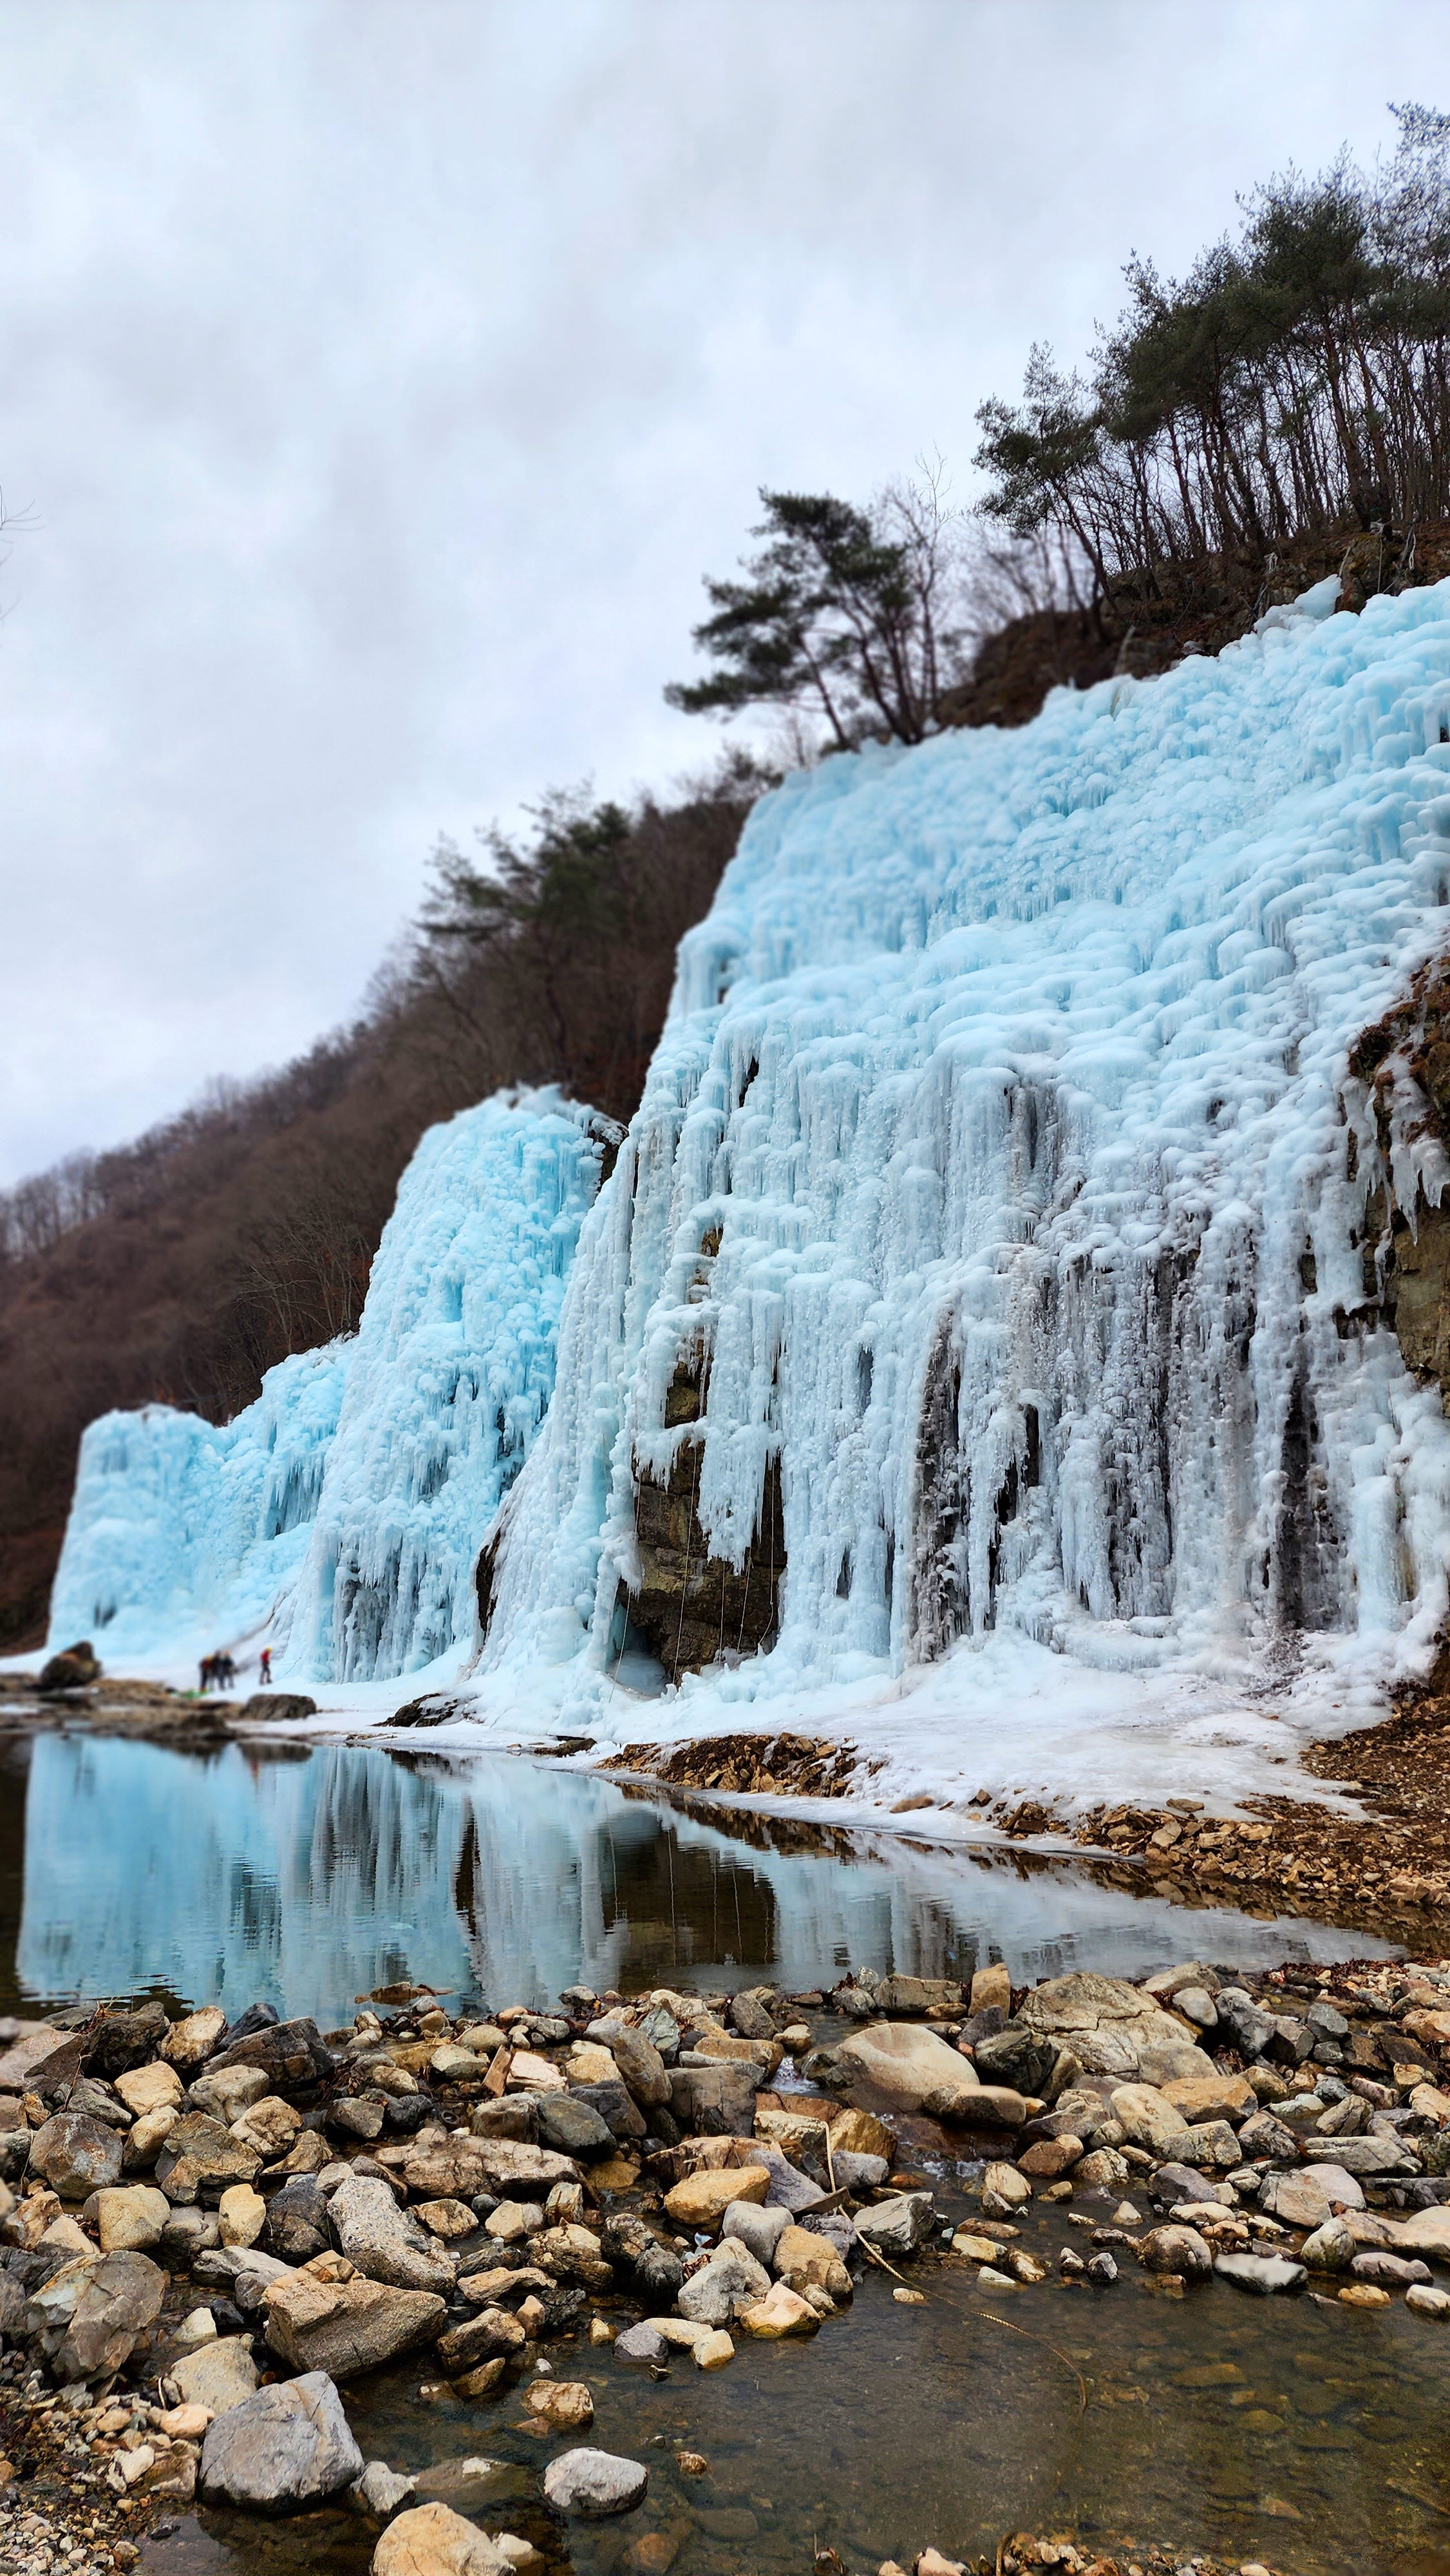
(1404, 1062)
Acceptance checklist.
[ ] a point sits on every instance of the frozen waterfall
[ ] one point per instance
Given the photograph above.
(184, 1536)
(1001, 1187)
(340, 1516)
(452, 1373)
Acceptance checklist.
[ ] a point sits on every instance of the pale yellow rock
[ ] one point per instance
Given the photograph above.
(701, 2200)
(147, 2137)
(1431, 2103)
(1363, 2294)
(712, 2351)
(588, 2063)
(992, 1987)
(1146, 2117)
(270, 2126)
(565, 2405)
(129, 2220)
(860, 2133)
(909, 2298)
(446, 2218)
(1201, 2098)
(529, 2073)
(975, 2249)
(183, 2423)
(66, 2237)
(150, 2088)
(1005, 2184)
(791, 2130)
(781, 2312)
(802, 2258)
(242, 2214)
(433, 2540)
(188, 2042)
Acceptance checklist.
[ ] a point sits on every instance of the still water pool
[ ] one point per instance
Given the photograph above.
(308, 1876)
(1312, 2438)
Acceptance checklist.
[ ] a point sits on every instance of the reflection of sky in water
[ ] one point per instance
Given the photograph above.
(313, 1877)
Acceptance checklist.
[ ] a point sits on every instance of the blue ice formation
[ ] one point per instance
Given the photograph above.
(1001, 1165)
(451, 1377)
(185, 1536)
(339, 1517)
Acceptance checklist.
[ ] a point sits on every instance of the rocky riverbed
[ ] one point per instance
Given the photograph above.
(214, 2234)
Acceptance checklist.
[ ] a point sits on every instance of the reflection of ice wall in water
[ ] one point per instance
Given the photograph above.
(186, 1535)
(311, 1880)
(305, 1881)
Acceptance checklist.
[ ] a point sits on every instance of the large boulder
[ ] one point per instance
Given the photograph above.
(1242, 2022)
(317, 2321)
(1147, 2119)
(219, 2375)
(76, 2155)
(190, 2042)
(724, 2287)
(612, 2102)
(290, 2054)
(574, 2126)
(1206, 2098)
(897, 2226)
(298, 2222)
(904, 2061)
(1176, 2249)
(130, 2221)
(281, 2450)
(74, 1668)
(225, 2092)
(199, 2154)
(713, 2101)
(590, 2484)
(1020, 2058)
(640, 2065)
(1112, 2027)
(126, 2039)
(120, 2298)
(433, 2540)
(385, 2241)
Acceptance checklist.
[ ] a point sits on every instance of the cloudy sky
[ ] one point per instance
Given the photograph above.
(381, 375)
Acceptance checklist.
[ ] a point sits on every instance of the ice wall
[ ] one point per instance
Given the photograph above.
(185, 1535)
(452, 1373)
(340, 1516)
(1001, 1167)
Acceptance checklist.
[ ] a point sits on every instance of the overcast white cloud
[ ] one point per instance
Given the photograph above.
(384, 373)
